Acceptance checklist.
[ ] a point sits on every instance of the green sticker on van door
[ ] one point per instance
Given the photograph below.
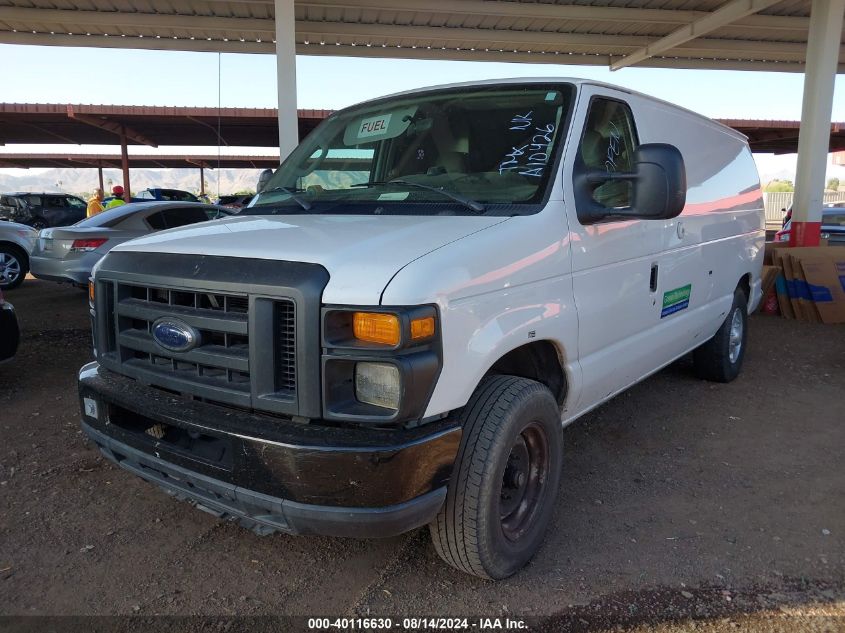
(675, 300)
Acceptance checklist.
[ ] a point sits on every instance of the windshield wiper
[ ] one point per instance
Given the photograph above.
(467, 202)
(292, 193)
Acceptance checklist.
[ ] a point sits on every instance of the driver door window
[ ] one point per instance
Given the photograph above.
(608, 144)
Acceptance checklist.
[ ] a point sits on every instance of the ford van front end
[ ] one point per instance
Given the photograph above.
(229, 384)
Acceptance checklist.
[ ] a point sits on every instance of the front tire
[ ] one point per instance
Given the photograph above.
(720, 358)
(505, 480)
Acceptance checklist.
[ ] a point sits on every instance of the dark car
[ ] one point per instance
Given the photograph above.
(9, 332)
(235, 202)
(42, 210)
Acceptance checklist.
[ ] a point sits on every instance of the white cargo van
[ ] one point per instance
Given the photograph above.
(428, 289)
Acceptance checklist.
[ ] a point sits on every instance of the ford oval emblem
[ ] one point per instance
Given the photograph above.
(174, 335)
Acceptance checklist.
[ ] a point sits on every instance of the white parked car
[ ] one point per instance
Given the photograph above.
(16, 244)
(432, 285)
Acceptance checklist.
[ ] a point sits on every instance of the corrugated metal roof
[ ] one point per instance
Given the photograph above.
(154, 161)
(149, 125)
(33, 123)
(597, 32)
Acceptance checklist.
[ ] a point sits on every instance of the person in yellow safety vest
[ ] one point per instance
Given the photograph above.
(95, 203)
(117, 200)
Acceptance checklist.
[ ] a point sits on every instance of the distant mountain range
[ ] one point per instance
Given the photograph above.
(82, 182)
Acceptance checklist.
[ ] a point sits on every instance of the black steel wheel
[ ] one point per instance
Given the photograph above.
(505, 480)
(526, 474)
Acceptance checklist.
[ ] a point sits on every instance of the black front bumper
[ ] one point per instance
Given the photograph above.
(9, 332)
(270, 473)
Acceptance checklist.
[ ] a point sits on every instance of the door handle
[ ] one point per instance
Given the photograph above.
(653, 280)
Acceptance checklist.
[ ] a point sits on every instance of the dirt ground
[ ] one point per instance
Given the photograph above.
(685, 505)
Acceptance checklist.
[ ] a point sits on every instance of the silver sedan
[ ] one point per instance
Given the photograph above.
(68, 253)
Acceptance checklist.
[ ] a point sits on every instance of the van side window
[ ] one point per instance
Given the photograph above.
(608, 143)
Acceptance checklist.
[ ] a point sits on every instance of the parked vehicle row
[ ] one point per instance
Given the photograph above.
(67, 254)
(42, 210)
(161, 195)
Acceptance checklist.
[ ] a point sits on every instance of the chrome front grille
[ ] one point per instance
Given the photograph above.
(219, 362)
(218, 368)
(257, 322)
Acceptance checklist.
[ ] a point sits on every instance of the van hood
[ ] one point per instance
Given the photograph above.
(361, 252)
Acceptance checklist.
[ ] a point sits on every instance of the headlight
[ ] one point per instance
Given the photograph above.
(378, 384)
(380, 363)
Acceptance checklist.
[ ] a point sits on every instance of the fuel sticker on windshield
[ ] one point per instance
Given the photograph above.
(374, 126)
(675, 300)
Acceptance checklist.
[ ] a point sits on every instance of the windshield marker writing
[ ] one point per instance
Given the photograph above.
(521, 121)
(511, 157)
(537, 160)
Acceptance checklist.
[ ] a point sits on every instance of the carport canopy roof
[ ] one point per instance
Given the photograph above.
(145, 125)
(36, 123)
(733, 34)
(149, 161)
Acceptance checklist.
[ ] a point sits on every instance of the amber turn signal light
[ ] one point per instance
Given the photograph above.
(422, 328)
(91, 292)
(374, 327)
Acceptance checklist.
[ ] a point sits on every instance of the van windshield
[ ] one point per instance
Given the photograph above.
(458, 151)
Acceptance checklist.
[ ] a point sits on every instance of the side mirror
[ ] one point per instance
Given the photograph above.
(658, 187)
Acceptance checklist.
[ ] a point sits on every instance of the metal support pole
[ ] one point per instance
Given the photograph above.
(124, 163)
(100, 174)
(202, 181)
(286, 76)
(814, 136)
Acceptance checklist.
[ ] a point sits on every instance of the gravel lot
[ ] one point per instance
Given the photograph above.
(680, 499)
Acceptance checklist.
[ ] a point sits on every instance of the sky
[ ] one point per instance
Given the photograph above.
(44, 74)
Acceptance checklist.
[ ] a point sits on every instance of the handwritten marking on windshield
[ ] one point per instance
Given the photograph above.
(530, 159)
(522, 121)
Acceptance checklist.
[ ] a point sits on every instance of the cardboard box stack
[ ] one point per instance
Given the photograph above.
(809, 282)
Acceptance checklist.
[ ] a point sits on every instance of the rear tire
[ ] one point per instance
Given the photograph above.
(13, 266)
(505, 479)
(720, 358)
